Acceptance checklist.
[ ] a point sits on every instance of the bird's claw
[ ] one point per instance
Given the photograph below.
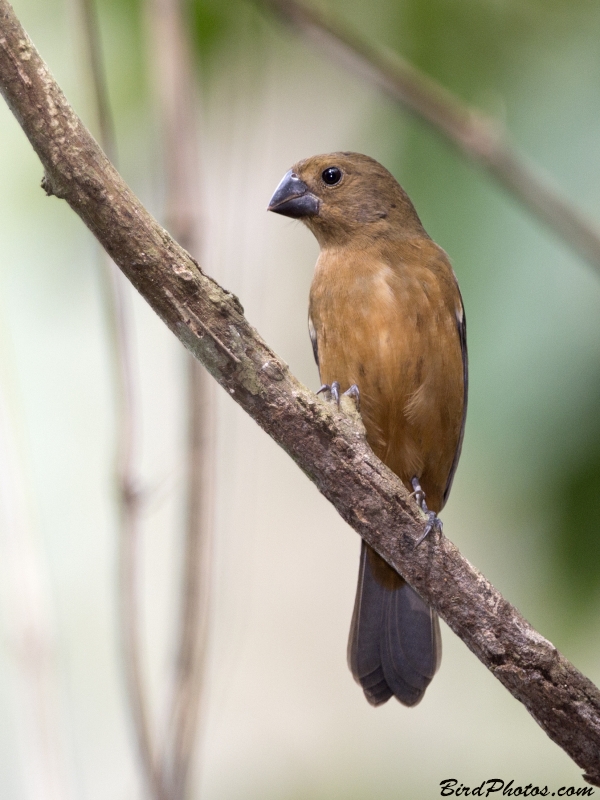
(354, 393)
(434, 522)
(334, 391)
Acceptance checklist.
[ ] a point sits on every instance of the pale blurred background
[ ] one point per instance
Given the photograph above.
(282, 717)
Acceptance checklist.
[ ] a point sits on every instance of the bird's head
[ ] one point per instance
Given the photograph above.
(345, 196)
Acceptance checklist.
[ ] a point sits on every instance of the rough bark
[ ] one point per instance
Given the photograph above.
(327, 444)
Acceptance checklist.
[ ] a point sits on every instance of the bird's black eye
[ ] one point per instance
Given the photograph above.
(331, 176)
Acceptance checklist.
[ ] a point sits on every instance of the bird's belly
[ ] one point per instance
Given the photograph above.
(410, 380)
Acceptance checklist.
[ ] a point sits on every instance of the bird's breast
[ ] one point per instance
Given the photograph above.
(392, 331)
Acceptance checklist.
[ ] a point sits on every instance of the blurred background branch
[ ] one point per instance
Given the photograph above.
(165, 758)
(118, 323)
(172, 65)
(479, 137)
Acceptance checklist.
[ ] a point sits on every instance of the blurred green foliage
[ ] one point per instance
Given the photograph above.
(210, 23)
(571, 497)
(217, 26)
(125, 58)
(576, 500)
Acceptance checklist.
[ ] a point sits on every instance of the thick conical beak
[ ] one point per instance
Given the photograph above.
(293, 199)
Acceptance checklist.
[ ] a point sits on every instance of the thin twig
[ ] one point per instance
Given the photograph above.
(327, 443)
(93, 41)
(193, 632)
(130, 632)
(478, 136)
(176, 89)
(115, 302)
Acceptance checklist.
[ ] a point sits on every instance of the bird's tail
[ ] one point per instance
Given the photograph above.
(395, 645)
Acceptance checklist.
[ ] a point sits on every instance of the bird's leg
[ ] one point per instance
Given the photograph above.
(435, 523)
(417, 492)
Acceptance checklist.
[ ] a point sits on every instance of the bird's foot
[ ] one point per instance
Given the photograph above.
(354, 393)
(434, 522)
(334, 391)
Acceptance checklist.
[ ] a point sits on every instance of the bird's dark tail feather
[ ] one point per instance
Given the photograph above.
(395, 645)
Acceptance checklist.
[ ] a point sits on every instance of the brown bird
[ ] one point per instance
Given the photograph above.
(387, 324)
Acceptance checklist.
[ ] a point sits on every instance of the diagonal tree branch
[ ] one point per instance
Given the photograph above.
(328, 445)
(478, 136)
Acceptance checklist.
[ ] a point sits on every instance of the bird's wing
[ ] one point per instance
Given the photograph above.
(461, 326)
(313, 338)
